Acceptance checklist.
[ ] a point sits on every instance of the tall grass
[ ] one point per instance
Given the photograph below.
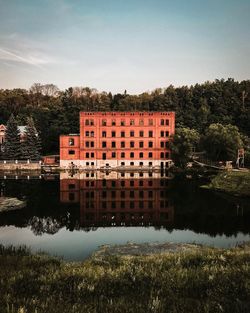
(207, 280)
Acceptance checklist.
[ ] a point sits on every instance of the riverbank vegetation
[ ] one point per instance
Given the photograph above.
(203, 280)
(56, 112)
(234, 182)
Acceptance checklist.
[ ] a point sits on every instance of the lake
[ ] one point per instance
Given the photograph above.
(72, 214)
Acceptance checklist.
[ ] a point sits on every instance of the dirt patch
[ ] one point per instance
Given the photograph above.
(11, 204)
(144, 248)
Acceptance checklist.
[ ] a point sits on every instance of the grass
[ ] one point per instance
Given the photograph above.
(207, 280)
(234, 182)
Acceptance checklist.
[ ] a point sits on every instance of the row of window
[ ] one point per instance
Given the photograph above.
(121, 183)
(123, 155)
(131, 133)
(131, 205)
(122, 122)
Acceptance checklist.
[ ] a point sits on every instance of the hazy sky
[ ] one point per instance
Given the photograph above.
(114, 45)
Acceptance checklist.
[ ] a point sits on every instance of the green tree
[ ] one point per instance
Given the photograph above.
(222, 142)
(31, 146)
(12, 146)
(184, 142)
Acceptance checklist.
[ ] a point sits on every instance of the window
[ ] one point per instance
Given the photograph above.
(122, 163)
(104, 182)
(132, 122)
(150, 133)
(113, 133)
(72, 186)
(113, 123)
(104, 123)
(167, 133)
(122, 144)
(71, 151)
(122, 194)
(87, 122)
(87, 163)
(132, 133)
(141, 133)
(122, 123)
(104, 144)
(113, 155)
(132, 163)
(122, 183)
(141, 144)
(150, 164)
(87, 144)
(104, 156)
(141, 174)
(92, 155)
(150, 183)
(87, 155)
(104, 194)
(87, 133)
(141, 183)
(162, 122)
(167, 122)
(113, 193)
(141, 194)
(71, 196)
(92, 122)
(162, 133)
(141, 204)
(92, 164)
(162, 155)
(141, 122)
(141, 163)
(122, 134)
(132, 144)
(113, 144)
(132, 194)
(132, 183)
(132, 154)
(92, 134)
(141, 155)
(71, 141)
(150, 144)
(150, 193)
(150, 122)
(167, 155)
(162, 144)
(132, 205)
(150, 154)
(123, 205)
(92, 144)
(123, 155)
(104, 134)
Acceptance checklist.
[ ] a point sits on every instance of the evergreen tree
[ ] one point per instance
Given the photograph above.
(12, 146)
(31, 146)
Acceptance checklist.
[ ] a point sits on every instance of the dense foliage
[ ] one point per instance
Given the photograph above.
(12, 147)
(57, 112)
(207, 280)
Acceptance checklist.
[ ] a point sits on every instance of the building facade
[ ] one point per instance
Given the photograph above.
(119, 139)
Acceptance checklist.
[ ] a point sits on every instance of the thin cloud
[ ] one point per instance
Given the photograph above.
(38, 61)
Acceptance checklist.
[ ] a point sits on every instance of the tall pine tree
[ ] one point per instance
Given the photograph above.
(12, 146)
(31, 146)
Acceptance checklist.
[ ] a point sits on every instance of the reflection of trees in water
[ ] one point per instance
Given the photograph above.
(41, 225)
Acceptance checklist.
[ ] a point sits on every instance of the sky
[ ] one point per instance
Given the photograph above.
(113, 45)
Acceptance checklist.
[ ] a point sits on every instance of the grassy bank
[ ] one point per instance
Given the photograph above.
(235, 183)
(206, 280)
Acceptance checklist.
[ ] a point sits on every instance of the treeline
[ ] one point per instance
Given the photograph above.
(56, 112)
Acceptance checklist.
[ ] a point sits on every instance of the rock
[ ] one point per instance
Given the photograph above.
(11, 204)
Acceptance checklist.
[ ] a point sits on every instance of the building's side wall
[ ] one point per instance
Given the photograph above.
(69, 150)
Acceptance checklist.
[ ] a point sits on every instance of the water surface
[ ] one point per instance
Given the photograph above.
(72, 215)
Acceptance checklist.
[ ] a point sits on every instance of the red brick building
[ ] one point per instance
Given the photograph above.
(119, 139)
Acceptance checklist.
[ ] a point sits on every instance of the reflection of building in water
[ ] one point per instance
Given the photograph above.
(119, 199)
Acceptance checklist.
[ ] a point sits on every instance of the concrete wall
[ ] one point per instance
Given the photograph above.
(19, 166)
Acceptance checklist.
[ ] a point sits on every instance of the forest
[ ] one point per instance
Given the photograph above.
(55, 112)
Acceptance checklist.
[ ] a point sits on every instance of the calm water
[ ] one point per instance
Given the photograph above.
(72, 215)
